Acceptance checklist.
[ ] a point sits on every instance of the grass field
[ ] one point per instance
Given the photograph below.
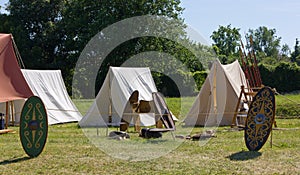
(69, 151)
(288, 106)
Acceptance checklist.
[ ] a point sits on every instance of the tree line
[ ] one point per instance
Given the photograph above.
(52, 34)
(278, 64)
(266, 44)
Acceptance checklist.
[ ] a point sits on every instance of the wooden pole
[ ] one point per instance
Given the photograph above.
(248, 66)
(12, 112)
(234, 119)
(244, 66)
(6, 116)
(255, 62)
(271, 139)
(255, 76)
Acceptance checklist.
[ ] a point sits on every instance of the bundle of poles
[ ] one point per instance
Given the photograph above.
(249, 65)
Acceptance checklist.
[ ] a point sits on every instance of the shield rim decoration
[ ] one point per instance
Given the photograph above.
(260, 119)
(25, 140)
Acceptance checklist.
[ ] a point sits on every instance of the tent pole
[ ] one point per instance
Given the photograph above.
(109, 123)
(12, 113)
(234, 119)
(110, 104)
(215, 95)
(6, 116)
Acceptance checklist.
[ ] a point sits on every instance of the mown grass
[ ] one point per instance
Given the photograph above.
(69, 151)
(288, 106)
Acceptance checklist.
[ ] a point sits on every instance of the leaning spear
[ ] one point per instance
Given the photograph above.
(250, 76)
(255, 62)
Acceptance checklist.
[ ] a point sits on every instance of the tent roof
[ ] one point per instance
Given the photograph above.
(50, 87)
(128, 79)
(13, 85)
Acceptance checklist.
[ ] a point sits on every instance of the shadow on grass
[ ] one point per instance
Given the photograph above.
(16, 160)
(244, 155)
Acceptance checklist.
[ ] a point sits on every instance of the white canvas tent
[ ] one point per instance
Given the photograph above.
(113, 97)
(216, 102)
(50, 87)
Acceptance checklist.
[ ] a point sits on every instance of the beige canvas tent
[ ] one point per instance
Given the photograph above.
(113, 100)
(216, 102)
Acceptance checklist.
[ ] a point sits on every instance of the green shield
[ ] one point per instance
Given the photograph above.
(260, 119)
(33, 126)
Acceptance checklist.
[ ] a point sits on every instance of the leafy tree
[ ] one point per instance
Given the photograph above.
(226, 40)
(94, 20)
(5, 23)
(265, 41)
(35, 30)
(52, 34)
(296, 52)
(285, 50)
(284, 76)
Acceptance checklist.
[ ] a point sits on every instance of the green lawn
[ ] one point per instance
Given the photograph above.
(69, 151)
(288, 105)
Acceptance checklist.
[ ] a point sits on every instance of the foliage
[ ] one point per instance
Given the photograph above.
(226, 41)
(269, 61)
(52, 34)
(265, 40)
(35, 31)
(200, 77)
(284, 76)
(295, 55)
(285, 50)
(265, 43)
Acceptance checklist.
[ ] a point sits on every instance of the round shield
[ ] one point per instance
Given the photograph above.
(260, 119)
(33, 126)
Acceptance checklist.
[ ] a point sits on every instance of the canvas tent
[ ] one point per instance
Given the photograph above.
(49, 86)
(13, 85)
(216, 102)
(113, 98)
(16, 86)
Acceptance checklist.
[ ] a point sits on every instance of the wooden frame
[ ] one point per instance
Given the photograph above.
(240, 116)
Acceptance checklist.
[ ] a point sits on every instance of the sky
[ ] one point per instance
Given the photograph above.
(205, 16)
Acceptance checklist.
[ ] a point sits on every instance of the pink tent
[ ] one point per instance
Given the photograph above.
(13, 85)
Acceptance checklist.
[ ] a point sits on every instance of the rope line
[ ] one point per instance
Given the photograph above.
(61, 110)
(277, 93)
(53, 110)
(19, 58)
